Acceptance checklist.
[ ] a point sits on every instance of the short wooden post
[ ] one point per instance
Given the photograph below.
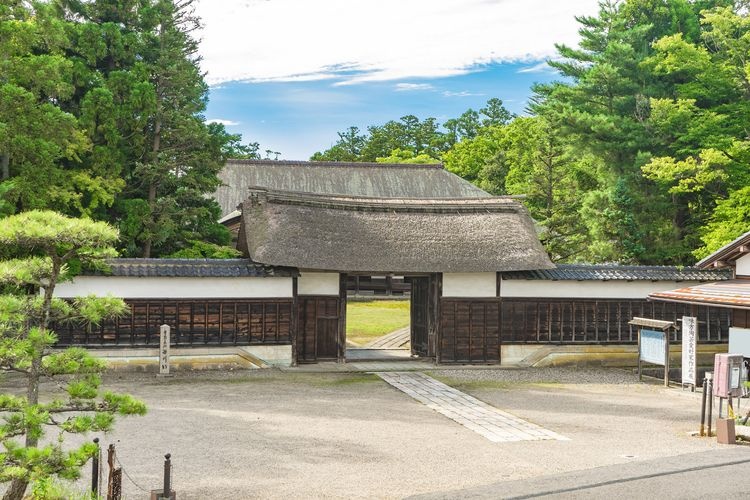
(95, 470)
(666, 359)
(164, 341)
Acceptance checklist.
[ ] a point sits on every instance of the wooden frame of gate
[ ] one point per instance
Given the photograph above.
(315, 339)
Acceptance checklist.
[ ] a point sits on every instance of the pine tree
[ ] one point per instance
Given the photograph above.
(47, 245)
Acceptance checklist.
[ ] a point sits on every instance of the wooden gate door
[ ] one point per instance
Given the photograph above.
(327, 338)
(419, 311)
(317, 328)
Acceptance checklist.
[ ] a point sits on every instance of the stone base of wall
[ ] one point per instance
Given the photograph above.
(203, 358)
(539, 355)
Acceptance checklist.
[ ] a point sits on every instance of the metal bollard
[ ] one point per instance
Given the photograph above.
(95, 470)
(167, 491)
(703, 407)
(710, 379)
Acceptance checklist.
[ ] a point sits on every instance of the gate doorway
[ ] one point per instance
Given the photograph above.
(327, 325)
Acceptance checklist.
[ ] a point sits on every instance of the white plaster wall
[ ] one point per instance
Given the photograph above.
(187, 288)
(739, 341)
(469, 285)
(742, 265)
(587, 289)
(318, 284)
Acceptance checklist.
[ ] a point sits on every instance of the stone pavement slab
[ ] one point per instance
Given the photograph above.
(494, 424)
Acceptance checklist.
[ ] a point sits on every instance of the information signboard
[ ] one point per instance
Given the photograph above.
(653, 347)
(689, 350)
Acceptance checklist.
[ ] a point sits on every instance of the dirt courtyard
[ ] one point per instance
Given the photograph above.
(272, 434)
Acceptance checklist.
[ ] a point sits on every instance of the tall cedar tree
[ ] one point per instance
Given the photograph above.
(604, 109)
(36, 136)
(47, 245)
(145, 114)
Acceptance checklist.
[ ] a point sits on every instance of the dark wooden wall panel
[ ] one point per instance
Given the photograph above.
(193, 322)
(594, 321)
(469, 331)
(740, 318)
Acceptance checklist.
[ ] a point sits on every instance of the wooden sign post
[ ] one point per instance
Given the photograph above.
(164, 342)
(689, 351)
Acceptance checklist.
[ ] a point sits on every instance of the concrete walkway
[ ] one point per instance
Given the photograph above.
(487, 421)
(710, 474)
(397, 339)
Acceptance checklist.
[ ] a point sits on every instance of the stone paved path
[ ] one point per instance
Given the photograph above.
(495, 425)
(394, 340)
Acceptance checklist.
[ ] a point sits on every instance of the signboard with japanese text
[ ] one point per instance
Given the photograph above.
(164, 350)
(653, 347)
(689, 350)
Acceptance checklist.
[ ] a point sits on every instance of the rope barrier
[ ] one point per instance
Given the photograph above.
(125, 472)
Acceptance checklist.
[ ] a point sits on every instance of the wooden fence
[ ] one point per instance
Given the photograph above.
(193, 322)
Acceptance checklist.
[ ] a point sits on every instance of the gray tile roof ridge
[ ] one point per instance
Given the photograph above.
(184, 267)
(621, 272)
(348, 164)
(380, 203)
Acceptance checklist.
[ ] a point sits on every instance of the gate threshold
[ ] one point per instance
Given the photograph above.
(372, 354)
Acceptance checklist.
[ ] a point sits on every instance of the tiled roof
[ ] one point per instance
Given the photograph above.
(377, 180)
(590, 272)
(734, 294)
(193, 268)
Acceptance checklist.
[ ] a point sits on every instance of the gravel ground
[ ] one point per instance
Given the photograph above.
(562, 375)
(268, 434)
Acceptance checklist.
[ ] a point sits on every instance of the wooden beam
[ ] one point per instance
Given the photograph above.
(342, 319)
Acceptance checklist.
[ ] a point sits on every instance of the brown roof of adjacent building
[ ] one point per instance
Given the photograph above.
(734, 294)
(376, 180)
(728, 253)
(360, 234)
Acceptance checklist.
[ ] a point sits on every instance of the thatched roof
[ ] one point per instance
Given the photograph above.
(359, 234)
(377, 180)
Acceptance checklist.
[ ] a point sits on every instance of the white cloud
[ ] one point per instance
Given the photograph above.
(378, 40)
(406, 87)
(226, 123)
(541, 67)
(463, 93)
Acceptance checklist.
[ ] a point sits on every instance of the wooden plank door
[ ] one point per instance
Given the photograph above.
(419, 311)
(317, 328)
(327, 338)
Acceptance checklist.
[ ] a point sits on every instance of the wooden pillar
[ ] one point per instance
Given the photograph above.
(342, 319)
(293, 321)
(434, 293)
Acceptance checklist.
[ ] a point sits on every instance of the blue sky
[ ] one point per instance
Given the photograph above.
(291, 73)
(299, 118)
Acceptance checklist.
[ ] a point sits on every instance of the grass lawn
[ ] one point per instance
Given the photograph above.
(366, 321)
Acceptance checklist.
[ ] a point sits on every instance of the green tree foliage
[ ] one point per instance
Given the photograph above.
(141, 104)
(707, 169)
(101, 108)
(606, 111)
(36, 136)
(47, 245)
(423, 138)
(407, 156)
(526, 157)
